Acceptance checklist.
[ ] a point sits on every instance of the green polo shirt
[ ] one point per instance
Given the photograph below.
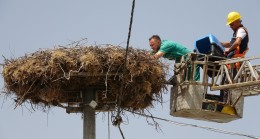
(173, 50)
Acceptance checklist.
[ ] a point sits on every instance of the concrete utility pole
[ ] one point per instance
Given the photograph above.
(89, 121)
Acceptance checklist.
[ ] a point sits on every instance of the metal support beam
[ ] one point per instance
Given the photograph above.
(89, 120)
(236, 85)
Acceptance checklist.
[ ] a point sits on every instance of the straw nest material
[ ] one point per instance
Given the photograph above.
(49, 77)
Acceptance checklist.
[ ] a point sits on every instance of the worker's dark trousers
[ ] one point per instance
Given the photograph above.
(195, 77)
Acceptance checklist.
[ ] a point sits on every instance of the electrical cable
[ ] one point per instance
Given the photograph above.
(197, 126)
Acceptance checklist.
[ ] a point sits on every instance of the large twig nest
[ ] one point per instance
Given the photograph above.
(45, 77)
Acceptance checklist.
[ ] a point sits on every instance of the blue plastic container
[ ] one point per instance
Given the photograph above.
(209, 45)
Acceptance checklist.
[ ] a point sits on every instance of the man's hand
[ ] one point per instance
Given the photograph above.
(151, 56)
(226, 52)
(148, 53)
(155, 56)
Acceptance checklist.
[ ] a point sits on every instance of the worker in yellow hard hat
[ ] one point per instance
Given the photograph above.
(239, 42)
(238, 46)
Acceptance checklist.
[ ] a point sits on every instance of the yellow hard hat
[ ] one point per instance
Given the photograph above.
(227, 109)
(233, 16)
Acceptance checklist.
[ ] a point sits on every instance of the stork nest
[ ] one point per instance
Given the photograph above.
(49, 77)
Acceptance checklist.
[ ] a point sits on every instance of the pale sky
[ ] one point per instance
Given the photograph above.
(28, 25)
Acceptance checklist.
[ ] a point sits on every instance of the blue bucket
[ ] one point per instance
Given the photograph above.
(209, 45)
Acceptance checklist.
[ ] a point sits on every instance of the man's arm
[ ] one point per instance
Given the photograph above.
(225, 44)
(158, 55)
(241, 33)
(235, 45)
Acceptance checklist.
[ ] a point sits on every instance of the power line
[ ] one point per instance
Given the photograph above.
(124, 71)
(126, 51)
(197, 126)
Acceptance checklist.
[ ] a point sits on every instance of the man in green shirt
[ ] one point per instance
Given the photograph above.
(170, 50)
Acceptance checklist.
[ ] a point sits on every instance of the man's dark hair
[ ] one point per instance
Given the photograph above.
(157, 37)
